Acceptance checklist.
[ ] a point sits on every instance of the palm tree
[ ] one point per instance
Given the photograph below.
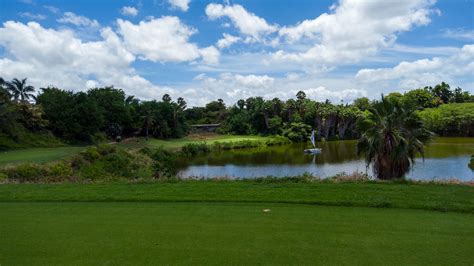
(20, 90)
(148, 120)
(391, 136)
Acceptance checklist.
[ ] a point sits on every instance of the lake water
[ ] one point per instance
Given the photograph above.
(445, 158)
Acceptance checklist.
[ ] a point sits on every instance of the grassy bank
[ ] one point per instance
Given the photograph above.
(456, 198)
(176, 144)
(229, 233)
(44, 155)
(38, 155)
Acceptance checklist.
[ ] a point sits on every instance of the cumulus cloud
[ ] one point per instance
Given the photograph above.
(247, 22)
(354, 29)
(227, 41)
(164, 39)
(419, 73)
(180, 4)
(80, 21)
(232, 87)
(129, 11)
(210, 55)
(57, 57)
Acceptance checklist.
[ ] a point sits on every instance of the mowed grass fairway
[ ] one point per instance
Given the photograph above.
(38, 155)
(229, 233)
(224, 223)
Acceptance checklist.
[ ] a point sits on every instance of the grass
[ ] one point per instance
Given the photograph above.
(175, 144)
(44, 155)
(38, 155)
(363, 194)
(222, 222)
(229, 234)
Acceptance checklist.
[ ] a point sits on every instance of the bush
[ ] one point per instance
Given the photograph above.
(90, 154)
(59, 170)
(165, 163)
(278, 140)
(455, 119)
(3, 177)
(297, 132)
(195, 148)
(26, 172)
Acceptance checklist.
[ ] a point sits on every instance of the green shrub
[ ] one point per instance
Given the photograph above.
(3, 177)
(106, 149)
(165, 163)
(455, 119)
(90, 154)
(141, 166)
(94, 171)
(78, 161)
(278, 140)
(26, 172)
(195, 148)
(297, 132)
(59, 170)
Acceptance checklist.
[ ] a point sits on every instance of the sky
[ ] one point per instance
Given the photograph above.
(205, 50)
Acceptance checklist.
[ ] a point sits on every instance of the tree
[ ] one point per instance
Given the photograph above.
(362, 103)
(460, 96)
(442, 91)
(391, 137)
(148, 121)
(419, 99)
(20, 91)
(113, 108)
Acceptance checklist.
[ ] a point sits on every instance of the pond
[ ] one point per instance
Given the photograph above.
(445, 158)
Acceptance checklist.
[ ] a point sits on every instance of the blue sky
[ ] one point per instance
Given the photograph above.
(204, 50)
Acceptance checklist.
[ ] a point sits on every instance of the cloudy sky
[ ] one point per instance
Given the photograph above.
(204, 50)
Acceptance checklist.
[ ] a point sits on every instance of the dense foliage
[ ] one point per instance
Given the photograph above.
(392, 135)
(450, 119)
(54, 115)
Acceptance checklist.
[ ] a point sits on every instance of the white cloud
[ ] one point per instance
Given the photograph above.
(129, 11)
(459, 34)
(180, 4)
(354, 30)
(210, 55)
(227, 41)
(164, 39)
(52, 9)
(33, 16)
(456, 68)
(57, 57)
(80, 21)
(232, 87)
(247, 22)
(159, 40)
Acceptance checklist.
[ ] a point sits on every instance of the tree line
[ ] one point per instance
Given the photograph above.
(108, 113)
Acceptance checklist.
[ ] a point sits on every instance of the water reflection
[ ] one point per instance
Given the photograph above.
(445, 157)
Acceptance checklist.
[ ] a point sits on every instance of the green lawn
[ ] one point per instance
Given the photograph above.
(230, 233)
(175, 144)
(369, 194)
(44, 155)
(37, 155)
(222, 222)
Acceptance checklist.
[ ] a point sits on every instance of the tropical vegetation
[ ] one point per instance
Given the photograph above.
(391, 136)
